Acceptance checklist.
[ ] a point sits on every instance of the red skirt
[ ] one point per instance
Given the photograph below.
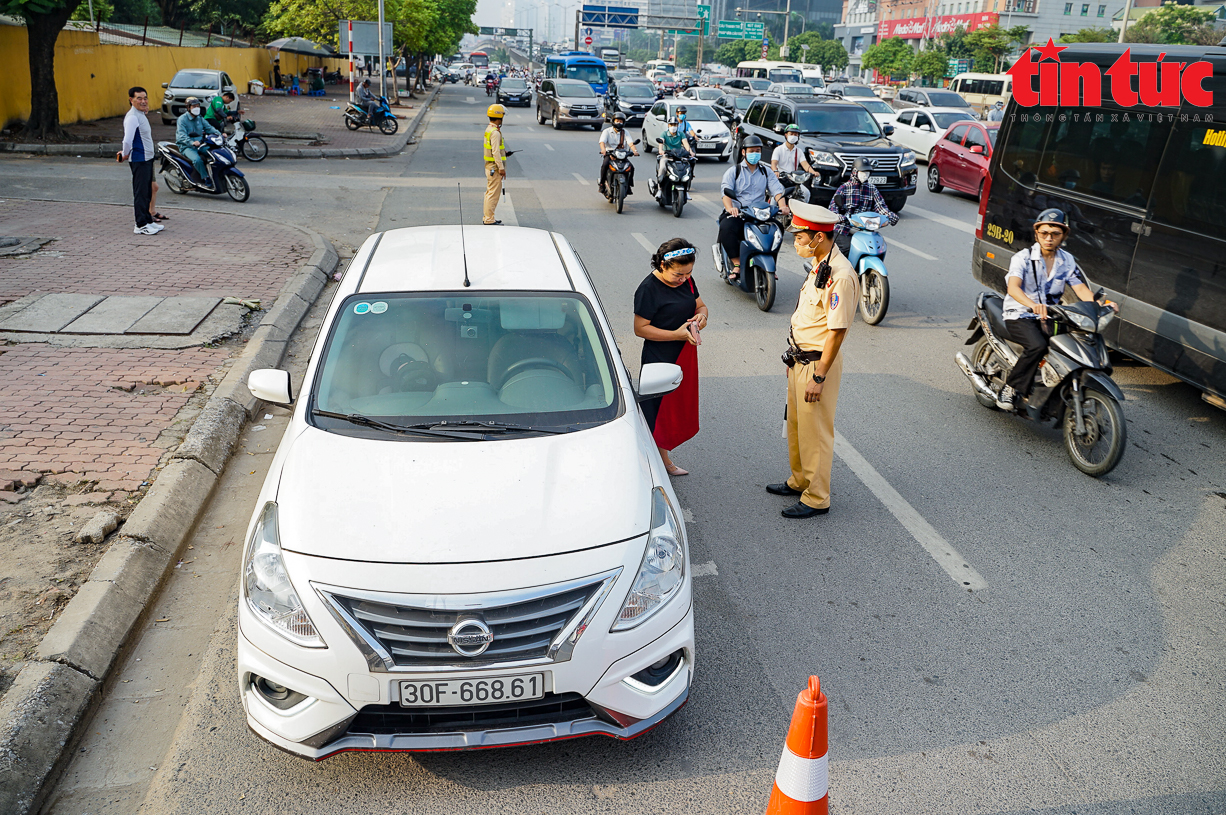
(677, 421)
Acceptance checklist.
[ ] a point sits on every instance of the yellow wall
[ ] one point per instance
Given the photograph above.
(93, 79)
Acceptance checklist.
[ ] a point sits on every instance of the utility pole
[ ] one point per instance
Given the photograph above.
(784, 51)
(1124, 24)
(382, 58)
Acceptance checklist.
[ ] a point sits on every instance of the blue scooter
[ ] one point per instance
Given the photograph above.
(383, 118)
(759, 253)
(868, 259)
(180, 175)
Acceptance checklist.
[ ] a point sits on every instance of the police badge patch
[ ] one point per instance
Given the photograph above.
(834, 300)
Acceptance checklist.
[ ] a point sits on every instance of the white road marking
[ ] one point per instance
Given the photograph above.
(506, 210)
(549, 147)
(910, 249)
(704, 569)
(945, 555)
(581, 179)
(643, 242)
(471, 101)
(945, 220)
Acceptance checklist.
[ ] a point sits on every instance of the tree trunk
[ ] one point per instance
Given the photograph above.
(42, 31)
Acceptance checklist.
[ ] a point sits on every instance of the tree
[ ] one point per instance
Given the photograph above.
(1173, 24)
(991, 44)
(891, 57)
(44, 20)
(103, 11)
(931, 63)
(734, 51)
(830, 54)
(826, 30)
(1090, 35)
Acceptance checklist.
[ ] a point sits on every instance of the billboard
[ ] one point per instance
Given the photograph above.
(365, 38)
(917, 28)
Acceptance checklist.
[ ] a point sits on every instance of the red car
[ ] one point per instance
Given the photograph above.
(960, 158)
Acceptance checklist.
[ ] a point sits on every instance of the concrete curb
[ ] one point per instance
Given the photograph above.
(51, 695)
(109, 149)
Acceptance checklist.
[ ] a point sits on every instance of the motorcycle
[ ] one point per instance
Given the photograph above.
(244, 142)
(671, 184)
(867, 257)
(491, 87)
(617, 177)
(383, 119)
(759, 255)
(180, 175)
(1074, 389)
(795, 186)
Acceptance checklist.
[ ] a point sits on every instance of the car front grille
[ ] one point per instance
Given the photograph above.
(408, 632)
(882, 163)
(397, 720)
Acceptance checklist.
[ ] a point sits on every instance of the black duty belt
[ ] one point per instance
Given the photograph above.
(794, 355)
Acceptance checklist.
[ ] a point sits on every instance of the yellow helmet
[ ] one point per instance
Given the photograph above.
(496, 112)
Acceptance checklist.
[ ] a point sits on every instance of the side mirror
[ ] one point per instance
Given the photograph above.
(926, 126)
(165, 84)
(636, 141)
(655, 379)
(888, 130)
(271, 385)
(977, 148)
(778, 128)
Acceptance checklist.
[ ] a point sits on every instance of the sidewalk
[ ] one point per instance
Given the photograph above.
(293, 126)
(92, 423)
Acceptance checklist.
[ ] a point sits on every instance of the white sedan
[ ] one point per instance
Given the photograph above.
(920, 128)
(882, 112)
(467, 538)
(714, 138)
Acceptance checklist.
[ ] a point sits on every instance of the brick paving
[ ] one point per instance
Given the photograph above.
(92, 414)
(199, 253)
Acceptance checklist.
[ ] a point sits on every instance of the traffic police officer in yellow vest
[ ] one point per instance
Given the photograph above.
(824, 312)
(495, 162)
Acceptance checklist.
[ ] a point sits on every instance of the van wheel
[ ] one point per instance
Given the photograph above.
(540, 117)
(934, 179)
(557, 124)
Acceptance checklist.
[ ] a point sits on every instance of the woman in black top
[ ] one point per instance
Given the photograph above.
(668, 315)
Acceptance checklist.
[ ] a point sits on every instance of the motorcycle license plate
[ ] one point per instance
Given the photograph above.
(489, 690)
(877, 179)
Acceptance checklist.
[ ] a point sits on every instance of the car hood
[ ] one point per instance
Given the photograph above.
(827, 142)
(710, 128)
(391, 501)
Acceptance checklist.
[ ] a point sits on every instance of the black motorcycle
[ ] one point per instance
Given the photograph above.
(617, 177)
(759, 253)
(1073, 388)
(671, 185)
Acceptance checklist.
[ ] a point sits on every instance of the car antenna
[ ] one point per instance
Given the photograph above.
(463, 245)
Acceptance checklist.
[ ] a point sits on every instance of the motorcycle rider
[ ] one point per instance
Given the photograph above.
(219, 107)
(189, 138)
(687, 129)
(1037, 278)
(746, 184)
(789, 157)
(367, 100)
(612, 138)
(855, 195)
(673, 142)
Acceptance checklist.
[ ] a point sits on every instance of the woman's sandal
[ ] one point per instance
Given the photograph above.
(673, 469)
(159, 217)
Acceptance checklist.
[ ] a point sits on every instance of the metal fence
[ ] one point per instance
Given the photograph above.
(140, 34)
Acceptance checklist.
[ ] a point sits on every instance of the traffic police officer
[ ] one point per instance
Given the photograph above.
(495, 162)
(824, 312)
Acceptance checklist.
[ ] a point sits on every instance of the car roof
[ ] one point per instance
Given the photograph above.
(936, 109)
(432, 258)
(687, 102)
(561, 81)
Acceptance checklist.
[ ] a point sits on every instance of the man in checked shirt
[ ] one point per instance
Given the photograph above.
(856, 195)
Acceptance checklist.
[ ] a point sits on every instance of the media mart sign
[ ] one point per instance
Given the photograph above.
(919, 27)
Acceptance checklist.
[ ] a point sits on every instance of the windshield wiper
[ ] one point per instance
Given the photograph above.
(499, 427)
(378, 424)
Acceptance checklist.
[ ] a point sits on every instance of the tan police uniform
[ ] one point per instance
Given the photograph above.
(495, 160)
(810, 425)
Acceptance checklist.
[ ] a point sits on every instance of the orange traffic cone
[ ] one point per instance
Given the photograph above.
(801, 780)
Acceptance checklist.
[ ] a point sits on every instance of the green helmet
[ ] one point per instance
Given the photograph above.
(792, 129)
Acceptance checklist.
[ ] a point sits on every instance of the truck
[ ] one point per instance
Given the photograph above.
(611, 55)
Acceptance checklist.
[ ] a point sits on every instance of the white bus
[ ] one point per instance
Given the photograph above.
(982, 91)
(770, 69)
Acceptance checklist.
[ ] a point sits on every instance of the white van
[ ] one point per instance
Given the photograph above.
(983, 90)
(813, 76)
(656, 69)
(770, 69)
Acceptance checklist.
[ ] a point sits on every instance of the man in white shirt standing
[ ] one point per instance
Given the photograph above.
(138, 152)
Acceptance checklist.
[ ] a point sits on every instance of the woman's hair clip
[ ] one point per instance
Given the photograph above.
(677, 253)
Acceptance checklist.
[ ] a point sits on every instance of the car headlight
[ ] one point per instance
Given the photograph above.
(822, 157)
(908, 158)
(270, 595)
(662, 570)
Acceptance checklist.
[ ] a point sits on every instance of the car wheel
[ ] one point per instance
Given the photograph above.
(979, 195)
(557, 124)
(646, 143)
(540, 116)
(934, 179)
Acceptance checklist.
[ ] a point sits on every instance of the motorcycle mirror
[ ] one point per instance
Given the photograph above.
(636, 141)
(659, 140)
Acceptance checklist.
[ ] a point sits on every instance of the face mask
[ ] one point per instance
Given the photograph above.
(672, 130)
(804, 250)
(753, 158)
(195, 111)
(618, 125)
(681, 116)
(862, 176)
(793, 139)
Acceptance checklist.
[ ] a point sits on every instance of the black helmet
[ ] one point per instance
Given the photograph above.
(1053, 216)
(681, 109)
(619, 116)
(862, 165)
(751, 141)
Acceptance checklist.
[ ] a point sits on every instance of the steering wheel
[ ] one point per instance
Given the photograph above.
(414, 374)
(533, 362)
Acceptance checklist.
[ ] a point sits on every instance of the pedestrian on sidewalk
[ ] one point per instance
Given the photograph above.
(668, 315)
(495, 163)
(276, 74)
(137, 150)
(824, 312)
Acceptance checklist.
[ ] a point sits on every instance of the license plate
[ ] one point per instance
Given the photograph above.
(877, 179)
(489, 690)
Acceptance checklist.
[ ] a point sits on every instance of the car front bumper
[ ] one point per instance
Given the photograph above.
(349, 703)
(825, 185)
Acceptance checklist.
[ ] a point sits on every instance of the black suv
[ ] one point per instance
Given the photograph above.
(633, 97)
(833, 134)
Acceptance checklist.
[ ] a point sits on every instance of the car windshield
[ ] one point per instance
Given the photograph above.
(697, 113)
(838, 121)
(946, 99)
(876, 106)
(944, 120)
(815, 81)
(858, 90)
(742, 101)
(759, 84)
(636, 91)
(582, 91)
(196, 80)
(588, 73)
(784, 76)
(535, 359)
(708, 94)
(796, 90)
(513, 84)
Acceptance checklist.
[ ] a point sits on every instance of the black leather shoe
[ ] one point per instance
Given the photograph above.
(800, 510)
(781, 489)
